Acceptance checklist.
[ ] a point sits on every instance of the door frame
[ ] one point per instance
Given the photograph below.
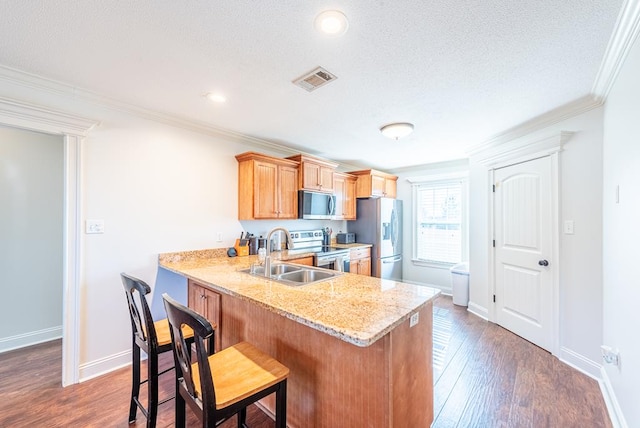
(73, 129)
(518, 152)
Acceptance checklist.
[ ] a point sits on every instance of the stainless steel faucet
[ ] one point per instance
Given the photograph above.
(267, 259)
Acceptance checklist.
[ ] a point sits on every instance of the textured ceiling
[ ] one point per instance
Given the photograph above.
(461, 71)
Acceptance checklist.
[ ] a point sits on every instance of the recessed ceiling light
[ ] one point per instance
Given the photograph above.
(397, 130)
(216, 97)
(332, 23)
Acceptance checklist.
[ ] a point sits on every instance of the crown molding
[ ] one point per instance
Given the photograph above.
(567, 111)
(522, 149)
(43, 84)
(624, 34)
(460, 164)
(30, 116)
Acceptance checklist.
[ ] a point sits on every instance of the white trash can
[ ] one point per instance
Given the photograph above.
(460, 284)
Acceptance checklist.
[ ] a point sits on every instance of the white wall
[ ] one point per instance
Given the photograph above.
(31, 232)
(438, 277)
(621, 236)
(580, 254)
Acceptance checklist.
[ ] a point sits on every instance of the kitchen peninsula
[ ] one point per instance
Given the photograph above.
(359, 349)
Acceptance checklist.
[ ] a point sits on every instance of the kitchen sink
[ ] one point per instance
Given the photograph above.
(290, 274)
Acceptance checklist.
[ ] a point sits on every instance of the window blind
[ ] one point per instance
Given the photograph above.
(438, 221)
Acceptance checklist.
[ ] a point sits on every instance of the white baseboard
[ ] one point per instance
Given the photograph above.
(478, 311)
(580, 363)
(104, 365)
(32, 338)
(610, 400)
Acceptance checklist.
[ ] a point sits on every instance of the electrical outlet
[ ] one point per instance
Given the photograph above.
(610, 356)
(568, 227)
(94, 226)
(414, 319)
(219, 237)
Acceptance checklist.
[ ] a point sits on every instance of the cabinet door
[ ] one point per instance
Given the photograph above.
(288, 195)
(326, 179)
(339, 183)
(345, 193)
(265, 204)
(206, 302)
(390, 188)
(349, 200)
(310, 176)
(378, 185)
(365, 267)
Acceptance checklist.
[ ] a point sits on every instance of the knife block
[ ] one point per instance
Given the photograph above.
(242, 247)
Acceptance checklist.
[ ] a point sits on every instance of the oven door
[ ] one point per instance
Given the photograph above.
(333, 262)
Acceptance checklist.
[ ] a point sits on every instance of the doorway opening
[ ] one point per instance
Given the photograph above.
(72, 129)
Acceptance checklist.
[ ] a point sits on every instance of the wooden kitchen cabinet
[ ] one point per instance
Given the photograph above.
(360, 261)
(345, 192)
(307, 261)
(206, 302)
(372, 183)
(267, 187)
(315, 174)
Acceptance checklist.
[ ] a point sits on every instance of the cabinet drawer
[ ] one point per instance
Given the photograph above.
(360, 253)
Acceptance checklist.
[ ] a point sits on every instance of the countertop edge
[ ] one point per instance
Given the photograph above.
(165, 263)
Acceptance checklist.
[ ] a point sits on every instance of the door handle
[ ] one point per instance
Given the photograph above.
(543, 263)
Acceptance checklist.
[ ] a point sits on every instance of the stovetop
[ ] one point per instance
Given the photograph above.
(326, 250)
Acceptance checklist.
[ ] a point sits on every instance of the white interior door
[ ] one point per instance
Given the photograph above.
(523, 250)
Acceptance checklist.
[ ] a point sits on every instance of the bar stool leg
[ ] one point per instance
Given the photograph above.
(152, 407)
(180, 412)
(281, 405)
(135, 385)
(242, 417)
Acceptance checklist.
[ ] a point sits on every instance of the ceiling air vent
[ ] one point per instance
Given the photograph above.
(314, 79)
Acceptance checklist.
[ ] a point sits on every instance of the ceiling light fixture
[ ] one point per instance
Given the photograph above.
(397, 130)
(216, 98)
(332, 23)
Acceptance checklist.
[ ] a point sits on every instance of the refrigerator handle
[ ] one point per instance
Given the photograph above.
(393, 260)
(394, 228)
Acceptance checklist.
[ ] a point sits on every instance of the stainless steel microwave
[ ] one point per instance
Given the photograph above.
(316, 206)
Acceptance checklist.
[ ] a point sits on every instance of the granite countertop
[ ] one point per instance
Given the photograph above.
(355, 308)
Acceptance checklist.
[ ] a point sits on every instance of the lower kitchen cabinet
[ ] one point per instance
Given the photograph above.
(206, 302)
(360, 261)
(307, 261)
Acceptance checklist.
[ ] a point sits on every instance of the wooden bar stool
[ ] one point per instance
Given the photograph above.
(221, 385)
(153, 338)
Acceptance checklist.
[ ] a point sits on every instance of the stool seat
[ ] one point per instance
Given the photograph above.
(164, 335)
(239, 371)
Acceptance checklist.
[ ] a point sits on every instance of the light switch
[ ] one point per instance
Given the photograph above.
(568, 227)
(94, 226)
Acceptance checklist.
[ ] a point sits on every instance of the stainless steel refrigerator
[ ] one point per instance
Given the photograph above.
(379, 222)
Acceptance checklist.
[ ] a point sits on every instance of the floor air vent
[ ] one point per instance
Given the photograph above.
(314, 79)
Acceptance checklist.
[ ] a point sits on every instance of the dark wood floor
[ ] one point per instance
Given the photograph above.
(484, 376)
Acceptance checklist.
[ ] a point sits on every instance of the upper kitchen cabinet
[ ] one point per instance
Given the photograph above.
(315, 174)
(372, 183)
(345, 191)
(267, 187)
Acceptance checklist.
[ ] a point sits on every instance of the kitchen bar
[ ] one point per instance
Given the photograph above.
(359, 348)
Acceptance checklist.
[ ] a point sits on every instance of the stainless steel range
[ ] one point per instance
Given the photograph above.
(325, 256)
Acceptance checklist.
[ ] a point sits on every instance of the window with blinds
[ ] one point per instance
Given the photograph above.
(439, 221)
